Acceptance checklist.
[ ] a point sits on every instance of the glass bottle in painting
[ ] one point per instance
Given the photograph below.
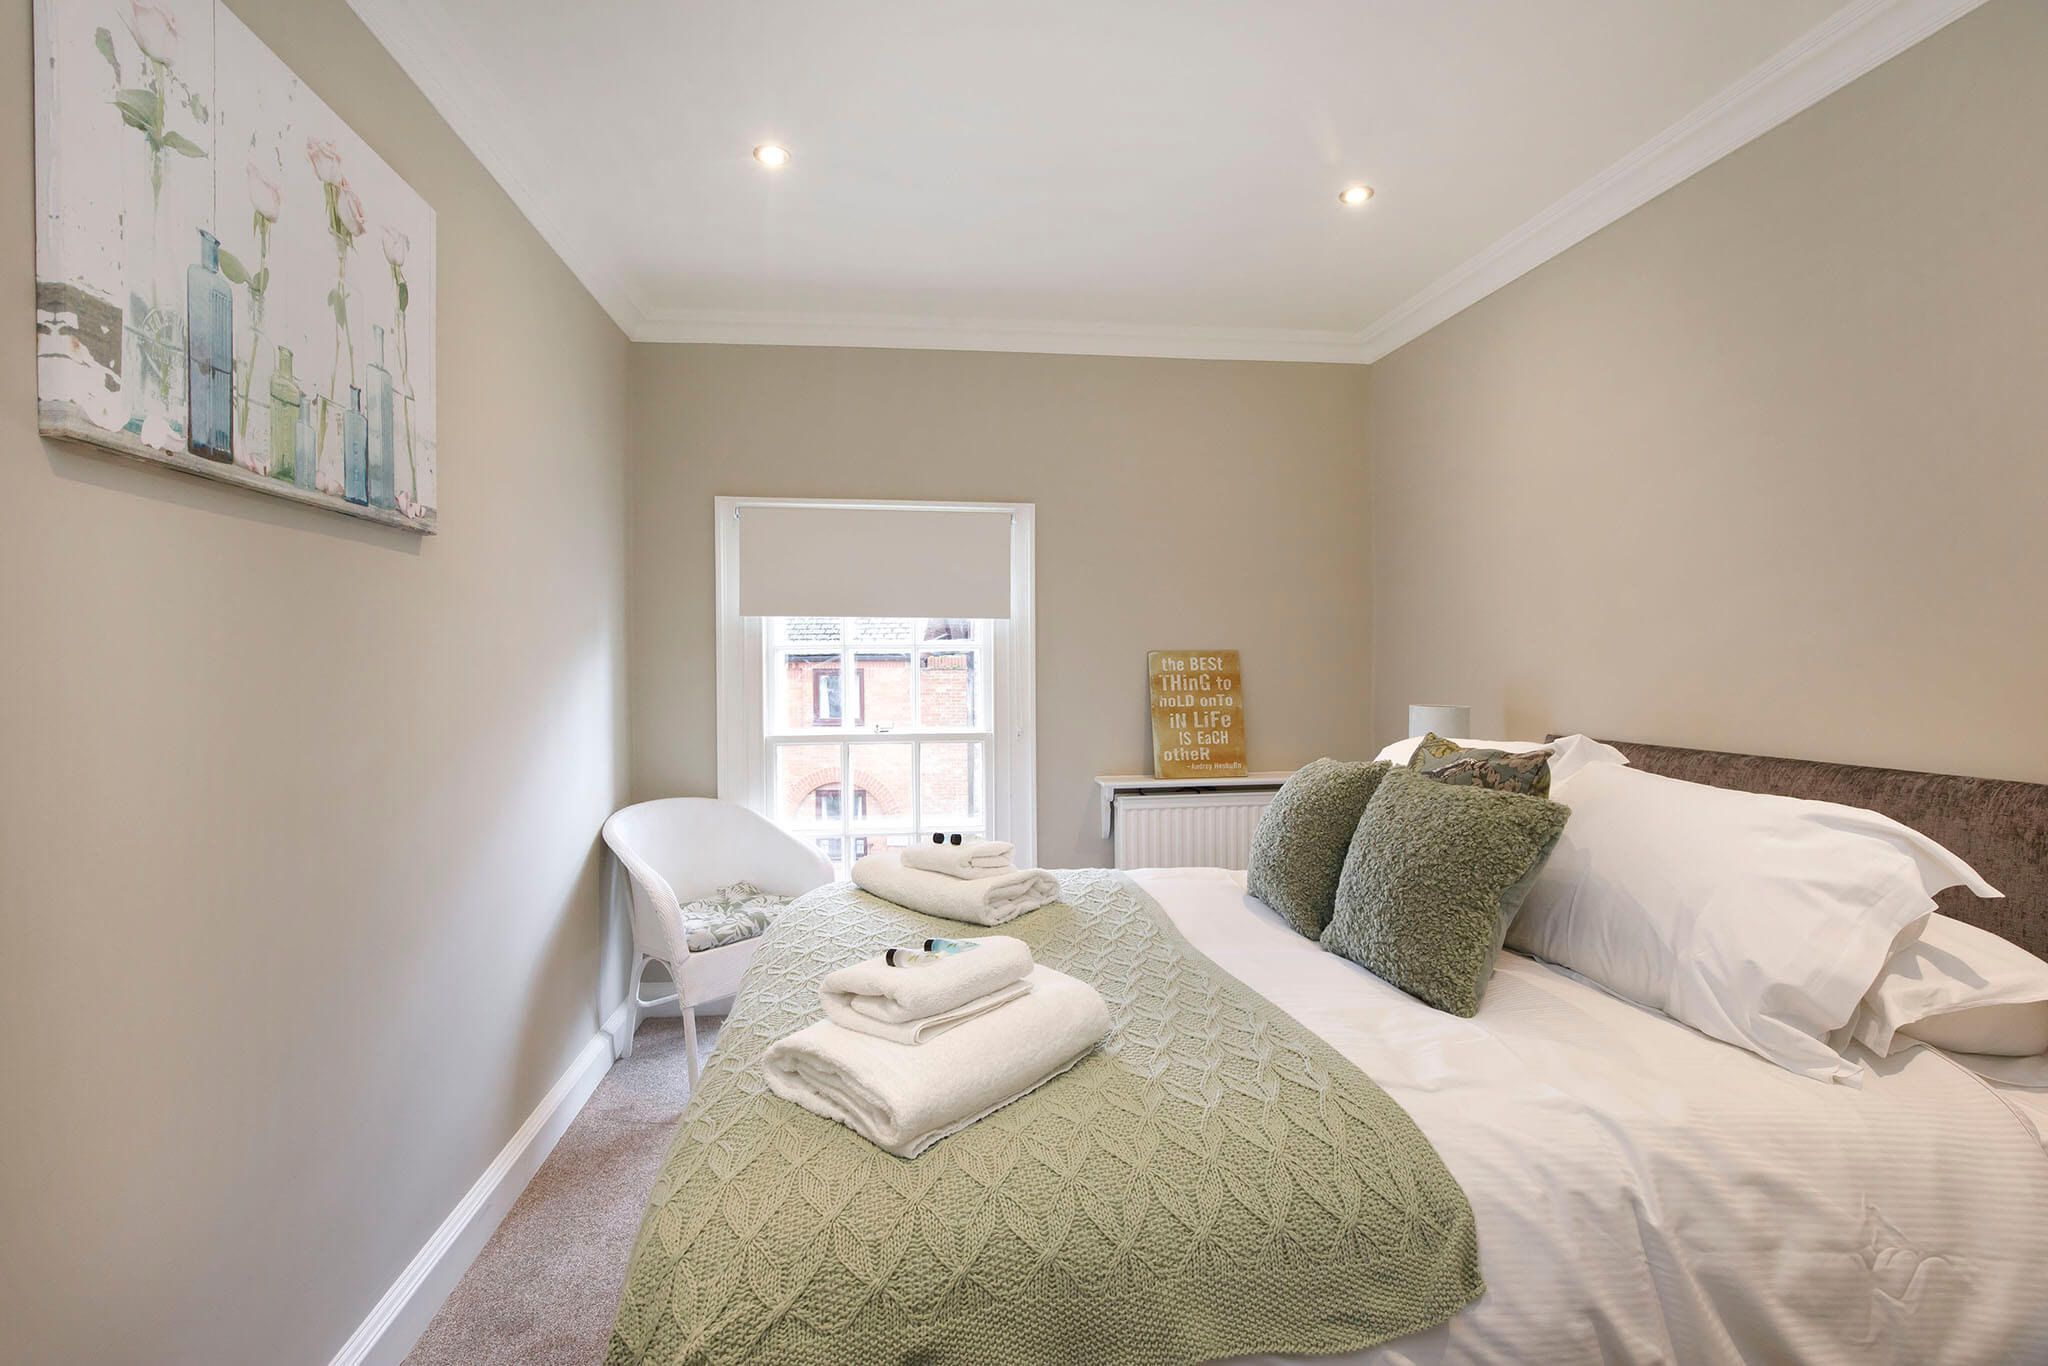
(153, 325)
(285, 401)
(355, 449)
(383, 451)
(306, 453)
(210, 338)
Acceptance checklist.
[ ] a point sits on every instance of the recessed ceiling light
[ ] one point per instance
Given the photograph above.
(1356, 194)
(768, 154)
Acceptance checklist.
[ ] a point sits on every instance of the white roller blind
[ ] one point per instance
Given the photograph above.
(797, 561)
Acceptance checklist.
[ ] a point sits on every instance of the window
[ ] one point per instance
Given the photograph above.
(826, 707)
(826, 803)
(924, 720)
(825, 698)
(914, 748)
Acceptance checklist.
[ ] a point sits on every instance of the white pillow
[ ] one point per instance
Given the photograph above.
(1959, 988)
(1568, 756)
(1758, 920)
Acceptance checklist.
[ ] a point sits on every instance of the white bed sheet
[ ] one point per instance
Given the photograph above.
(1647, 1194)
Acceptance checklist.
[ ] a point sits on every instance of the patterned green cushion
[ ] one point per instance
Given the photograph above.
(1430, 748)
(1527, 772)
(729, 916)
(1298, 849)
(1433, 878)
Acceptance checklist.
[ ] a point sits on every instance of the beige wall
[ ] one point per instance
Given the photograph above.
(298, 892)
(1764, 465)
(1760, 466)
(1180, 504)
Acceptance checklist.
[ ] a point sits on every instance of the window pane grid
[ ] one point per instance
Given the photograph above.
(878, 694)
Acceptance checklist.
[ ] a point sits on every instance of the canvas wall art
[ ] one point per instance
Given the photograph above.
(228, 281)
(1197, 714)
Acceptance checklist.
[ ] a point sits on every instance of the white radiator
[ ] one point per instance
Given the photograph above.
(1187, 829)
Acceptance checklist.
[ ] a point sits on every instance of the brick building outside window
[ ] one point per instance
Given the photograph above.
(892, 709)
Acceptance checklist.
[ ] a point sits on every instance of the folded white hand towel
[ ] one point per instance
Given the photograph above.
(978, 901)
(905, 1099)
(974, 859)
(925, 1028)
(902, 995)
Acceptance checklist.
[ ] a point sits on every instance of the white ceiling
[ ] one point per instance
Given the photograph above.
(1133, 176)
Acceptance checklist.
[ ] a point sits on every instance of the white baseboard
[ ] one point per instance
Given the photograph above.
(620, 1022)
(408, 1306)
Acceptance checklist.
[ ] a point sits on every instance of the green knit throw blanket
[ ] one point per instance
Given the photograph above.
(1212, 1181)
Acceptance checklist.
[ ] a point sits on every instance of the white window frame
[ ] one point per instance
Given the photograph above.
(1012, 736)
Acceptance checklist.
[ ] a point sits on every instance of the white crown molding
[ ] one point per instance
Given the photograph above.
(398, 1319)
(742, 327)
(1855, 39)
(429, 48)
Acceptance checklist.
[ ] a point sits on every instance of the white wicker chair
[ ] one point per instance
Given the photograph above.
(682, 849)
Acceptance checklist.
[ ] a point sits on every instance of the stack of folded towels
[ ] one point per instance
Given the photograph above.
(972, 881)
(921, 1042)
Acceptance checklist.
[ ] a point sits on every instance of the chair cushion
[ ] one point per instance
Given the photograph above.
(730, 915)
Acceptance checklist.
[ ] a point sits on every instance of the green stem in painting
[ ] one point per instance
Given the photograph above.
(157, 73)
(405, 377)
(339, 299)
(258, 283)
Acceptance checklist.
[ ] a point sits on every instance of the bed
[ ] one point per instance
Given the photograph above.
(1641, 1193)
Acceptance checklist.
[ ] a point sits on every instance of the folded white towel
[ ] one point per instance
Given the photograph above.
(978, 901)
(974, 859)
(905, 1099)
(926, 1028)
(907, 994)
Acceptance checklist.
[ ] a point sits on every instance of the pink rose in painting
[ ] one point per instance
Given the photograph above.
(396, 245)
(265, 193)
(155, 29)
(326, 159)
(349, 205)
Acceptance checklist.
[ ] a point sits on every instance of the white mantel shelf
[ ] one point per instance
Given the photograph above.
(1110, 784)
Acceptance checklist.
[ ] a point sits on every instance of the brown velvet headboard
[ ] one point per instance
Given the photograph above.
(2000, 828)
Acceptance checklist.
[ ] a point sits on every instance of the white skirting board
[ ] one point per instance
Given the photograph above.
(408, 1306)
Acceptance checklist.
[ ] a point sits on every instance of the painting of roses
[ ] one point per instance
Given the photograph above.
(229, 281)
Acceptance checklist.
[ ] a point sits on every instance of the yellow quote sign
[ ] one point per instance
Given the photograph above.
(1197, 714)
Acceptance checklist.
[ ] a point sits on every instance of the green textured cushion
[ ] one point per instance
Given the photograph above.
(1433, 878)
(1298, 850)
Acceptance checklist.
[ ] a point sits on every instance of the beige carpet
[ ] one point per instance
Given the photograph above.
(543, 1291)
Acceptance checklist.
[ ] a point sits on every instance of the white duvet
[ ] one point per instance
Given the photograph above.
(1647, 1194)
